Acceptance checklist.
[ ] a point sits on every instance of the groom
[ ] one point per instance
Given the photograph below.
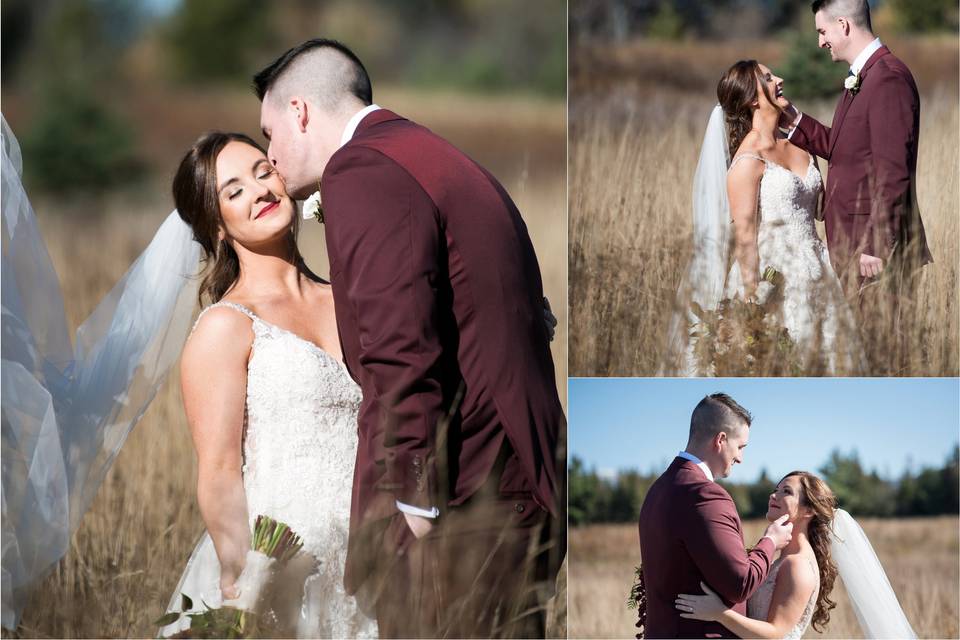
(690, 531)
(458, 480)
(874, 231)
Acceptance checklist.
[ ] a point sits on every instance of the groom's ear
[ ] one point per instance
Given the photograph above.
(844, 25)
(719, 439)
(301, 108)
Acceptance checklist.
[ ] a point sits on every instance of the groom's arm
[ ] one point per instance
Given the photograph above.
(714, 541)
(811, 136)
(386, 241)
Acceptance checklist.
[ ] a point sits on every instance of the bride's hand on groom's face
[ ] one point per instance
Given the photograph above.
(707, 606)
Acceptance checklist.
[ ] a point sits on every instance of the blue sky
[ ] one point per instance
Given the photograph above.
(891, 423)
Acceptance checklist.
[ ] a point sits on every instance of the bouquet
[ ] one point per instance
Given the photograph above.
(273, 545)
(746, 337)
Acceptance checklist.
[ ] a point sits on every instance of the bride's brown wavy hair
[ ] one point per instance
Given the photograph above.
(819, 498)
(736, 92)
(197, 201)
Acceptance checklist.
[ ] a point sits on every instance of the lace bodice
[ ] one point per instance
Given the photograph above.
(299, 451)
(787, 234)
(758, 606)
(815, 312)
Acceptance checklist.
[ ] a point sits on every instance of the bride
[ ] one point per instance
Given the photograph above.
(768, 193)
(796, 594)
(271, 408)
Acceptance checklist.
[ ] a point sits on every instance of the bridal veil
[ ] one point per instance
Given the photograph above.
(67, 409)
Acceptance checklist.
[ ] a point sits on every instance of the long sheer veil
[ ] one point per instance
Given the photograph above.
(703, 282)
(67, 410)
(871, 595)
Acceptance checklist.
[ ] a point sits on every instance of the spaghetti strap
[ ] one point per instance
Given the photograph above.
(225, 303)
(746, 155)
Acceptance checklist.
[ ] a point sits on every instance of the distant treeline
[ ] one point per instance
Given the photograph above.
(619, 20)
(931, 491)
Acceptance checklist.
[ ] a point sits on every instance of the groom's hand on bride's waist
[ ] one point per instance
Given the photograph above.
(780, 532)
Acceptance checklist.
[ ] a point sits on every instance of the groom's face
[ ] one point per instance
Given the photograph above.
(831, 34)
(730, 449)
(293, 150)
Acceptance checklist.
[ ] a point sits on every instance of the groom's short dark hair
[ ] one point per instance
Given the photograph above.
(358, 86)
(715, 413)
(857, 11)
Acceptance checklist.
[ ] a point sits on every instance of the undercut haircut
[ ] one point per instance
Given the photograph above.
(717, 413)
(856, 11)
(324, 70)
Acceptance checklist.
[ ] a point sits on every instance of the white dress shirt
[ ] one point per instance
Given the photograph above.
(354, 122)
(700, 463)
(348, 132)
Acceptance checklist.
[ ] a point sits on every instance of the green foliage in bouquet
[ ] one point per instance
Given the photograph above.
(273, 539)
(744, 338)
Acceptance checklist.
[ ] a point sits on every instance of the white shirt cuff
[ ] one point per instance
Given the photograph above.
(796, 122)
(432, 512)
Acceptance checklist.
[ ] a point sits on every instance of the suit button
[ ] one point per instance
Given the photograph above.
(519, 508)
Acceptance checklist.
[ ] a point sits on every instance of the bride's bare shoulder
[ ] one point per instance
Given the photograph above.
(221, 332)
(799, 571)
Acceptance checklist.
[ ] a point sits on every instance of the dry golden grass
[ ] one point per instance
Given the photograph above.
(126, 557)
(919, 555)
(636, 124)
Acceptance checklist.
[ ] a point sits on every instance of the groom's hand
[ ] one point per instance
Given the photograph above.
(418, 524)
(780, 531)
(870, 267)
(789, 116)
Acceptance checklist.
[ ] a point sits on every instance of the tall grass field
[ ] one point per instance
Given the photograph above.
(637, 117)
(921, 558)
(127, 555)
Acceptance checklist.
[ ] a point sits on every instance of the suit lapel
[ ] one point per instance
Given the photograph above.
(846, 101)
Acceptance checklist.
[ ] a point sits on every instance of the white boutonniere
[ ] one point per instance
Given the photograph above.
(852, 84)
(312, 207)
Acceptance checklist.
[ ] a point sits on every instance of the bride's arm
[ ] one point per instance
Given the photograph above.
(794, 586)
(743, 190)
(213, 373)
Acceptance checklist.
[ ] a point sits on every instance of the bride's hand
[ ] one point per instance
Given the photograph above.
(708, 607)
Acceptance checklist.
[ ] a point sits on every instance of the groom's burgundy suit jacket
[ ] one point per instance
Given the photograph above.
(435, 281)
(690, 531)
(870, 204)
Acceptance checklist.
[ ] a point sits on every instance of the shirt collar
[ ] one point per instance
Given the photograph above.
(697, 461)
(861, 59)
(354, 122)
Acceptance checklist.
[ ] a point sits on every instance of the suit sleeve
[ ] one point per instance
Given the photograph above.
(385, 248)
(812, 136)
(892, 112)
(714, 540)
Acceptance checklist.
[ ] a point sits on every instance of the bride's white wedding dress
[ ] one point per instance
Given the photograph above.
(758, 606)
(299, 450)
(814, 312)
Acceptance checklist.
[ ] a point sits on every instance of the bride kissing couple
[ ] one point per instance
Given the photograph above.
(697, 580)
(404, 417)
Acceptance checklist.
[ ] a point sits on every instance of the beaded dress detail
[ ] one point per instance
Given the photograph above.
(299, 451)
(815, 312)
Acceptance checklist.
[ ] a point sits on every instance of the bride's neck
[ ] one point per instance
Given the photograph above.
(765, 122)
(269, 270)
(797, 543)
